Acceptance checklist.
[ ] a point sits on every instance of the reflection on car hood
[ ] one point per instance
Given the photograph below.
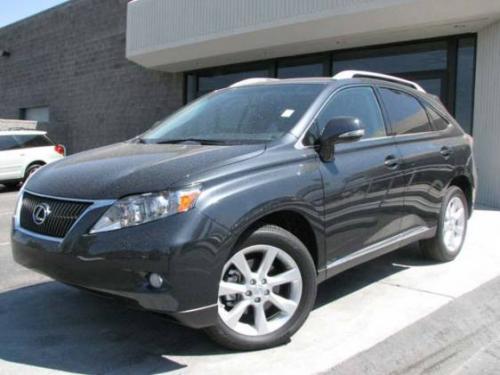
(118, 170)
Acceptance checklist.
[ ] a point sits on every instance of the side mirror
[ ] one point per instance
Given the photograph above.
(339, 130)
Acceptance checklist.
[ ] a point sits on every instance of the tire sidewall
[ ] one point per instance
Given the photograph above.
(275, 236)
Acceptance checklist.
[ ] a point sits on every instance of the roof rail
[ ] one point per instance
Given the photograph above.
(253, 81)
(348, 74)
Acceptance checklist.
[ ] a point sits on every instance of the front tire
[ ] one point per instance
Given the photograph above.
(451, 230)
(267, 289)
(30, 170)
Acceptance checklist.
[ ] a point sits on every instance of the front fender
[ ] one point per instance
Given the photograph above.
(288, 181)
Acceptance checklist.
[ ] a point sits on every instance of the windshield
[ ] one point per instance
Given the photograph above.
(251, 114)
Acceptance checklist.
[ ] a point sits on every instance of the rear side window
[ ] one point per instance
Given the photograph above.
(8, 142)
(33, 140)
(406, 114)
(359, 102)
(438, 122)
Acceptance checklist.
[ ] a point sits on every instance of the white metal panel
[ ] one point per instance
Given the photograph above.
(177, 35)
(487, 116)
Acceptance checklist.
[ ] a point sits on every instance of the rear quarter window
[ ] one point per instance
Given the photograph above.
(33, 140)
(406, 114)
(438, 122)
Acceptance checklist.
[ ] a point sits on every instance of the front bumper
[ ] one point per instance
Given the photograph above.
(187, 250)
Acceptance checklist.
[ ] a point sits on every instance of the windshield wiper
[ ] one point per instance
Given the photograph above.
(193, 140)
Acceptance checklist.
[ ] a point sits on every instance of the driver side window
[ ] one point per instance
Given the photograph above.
(359, 102)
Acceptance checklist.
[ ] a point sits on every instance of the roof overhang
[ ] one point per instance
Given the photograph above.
(183, 35)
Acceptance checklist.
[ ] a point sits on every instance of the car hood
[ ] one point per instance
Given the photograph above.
(118, 170)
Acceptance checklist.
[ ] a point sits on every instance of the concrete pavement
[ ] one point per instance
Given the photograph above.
(46, 327)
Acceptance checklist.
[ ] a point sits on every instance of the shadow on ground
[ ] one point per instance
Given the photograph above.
(5, 189)
(56, 327)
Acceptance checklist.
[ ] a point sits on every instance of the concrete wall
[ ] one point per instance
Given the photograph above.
(487, 115)
(176, 35)
(72, 59)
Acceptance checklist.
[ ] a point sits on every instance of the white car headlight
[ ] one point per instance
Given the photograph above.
(143, 208)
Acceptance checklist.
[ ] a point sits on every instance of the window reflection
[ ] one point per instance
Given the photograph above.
(464, 97)
(208, 83)
(394, 60)
(424, 62)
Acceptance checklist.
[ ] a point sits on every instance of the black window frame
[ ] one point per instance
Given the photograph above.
(448, 76)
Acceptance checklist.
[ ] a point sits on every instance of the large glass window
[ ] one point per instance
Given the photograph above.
(219, 78)
(443, 67)
(406, 114)
(303, 67)
(40, 114)
(464, 97)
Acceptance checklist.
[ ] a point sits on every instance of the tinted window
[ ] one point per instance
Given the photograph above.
(218, 80)
(359, 102)
(405, 112)
(7, 142)
(438, 122)
(465, 83)
(394, 60)
(33, 140)
(302, 67)
(239, 115)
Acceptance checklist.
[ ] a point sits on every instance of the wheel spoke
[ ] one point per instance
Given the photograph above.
(226, 288)
(267, 262)
(458, 213)
(233, 316)
(283, 304)
(261, 323)
(286, 277)
(240, 261)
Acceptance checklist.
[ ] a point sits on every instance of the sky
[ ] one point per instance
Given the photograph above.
(15, 10)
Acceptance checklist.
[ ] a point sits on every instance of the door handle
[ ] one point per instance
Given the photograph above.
(391, 162)
(445, 152)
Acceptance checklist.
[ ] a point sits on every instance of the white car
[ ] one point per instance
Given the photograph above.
(22, 152)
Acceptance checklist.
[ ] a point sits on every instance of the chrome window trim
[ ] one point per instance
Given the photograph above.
(94, 204)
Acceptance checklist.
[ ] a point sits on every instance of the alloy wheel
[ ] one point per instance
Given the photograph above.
(454, 224)
(260, 290)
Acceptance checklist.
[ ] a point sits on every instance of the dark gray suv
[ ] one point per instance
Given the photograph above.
(226, 215)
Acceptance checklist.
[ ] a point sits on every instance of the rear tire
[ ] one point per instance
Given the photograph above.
(451, 230)
(264, 304)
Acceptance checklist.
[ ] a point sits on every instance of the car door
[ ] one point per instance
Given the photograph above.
(427, 157)
(11, 159)
(363, 187)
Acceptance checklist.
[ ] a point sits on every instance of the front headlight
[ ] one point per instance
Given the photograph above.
(140, 209)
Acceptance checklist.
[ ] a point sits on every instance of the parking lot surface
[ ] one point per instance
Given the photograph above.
(398, 314)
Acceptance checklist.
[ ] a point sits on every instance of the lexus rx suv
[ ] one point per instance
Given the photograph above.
(226, 215)
(23, 152)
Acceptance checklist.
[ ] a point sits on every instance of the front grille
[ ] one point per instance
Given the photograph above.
(62, 216)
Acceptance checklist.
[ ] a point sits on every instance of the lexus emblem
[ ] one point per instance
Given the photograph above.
(41, 213)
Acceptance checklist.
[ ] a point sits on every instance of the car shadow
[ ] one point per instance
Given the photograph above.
(56, 327)
(5, 189)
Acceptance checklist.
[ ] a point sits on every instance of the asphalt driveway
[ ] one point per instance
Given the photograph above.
(368, 319)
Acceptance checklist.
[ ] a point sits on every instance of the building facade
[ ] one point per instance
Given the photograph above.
(102, 71)
(66, 68)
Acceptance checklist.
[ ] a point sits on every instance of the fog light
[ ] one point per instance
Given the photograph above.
(155, 280)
